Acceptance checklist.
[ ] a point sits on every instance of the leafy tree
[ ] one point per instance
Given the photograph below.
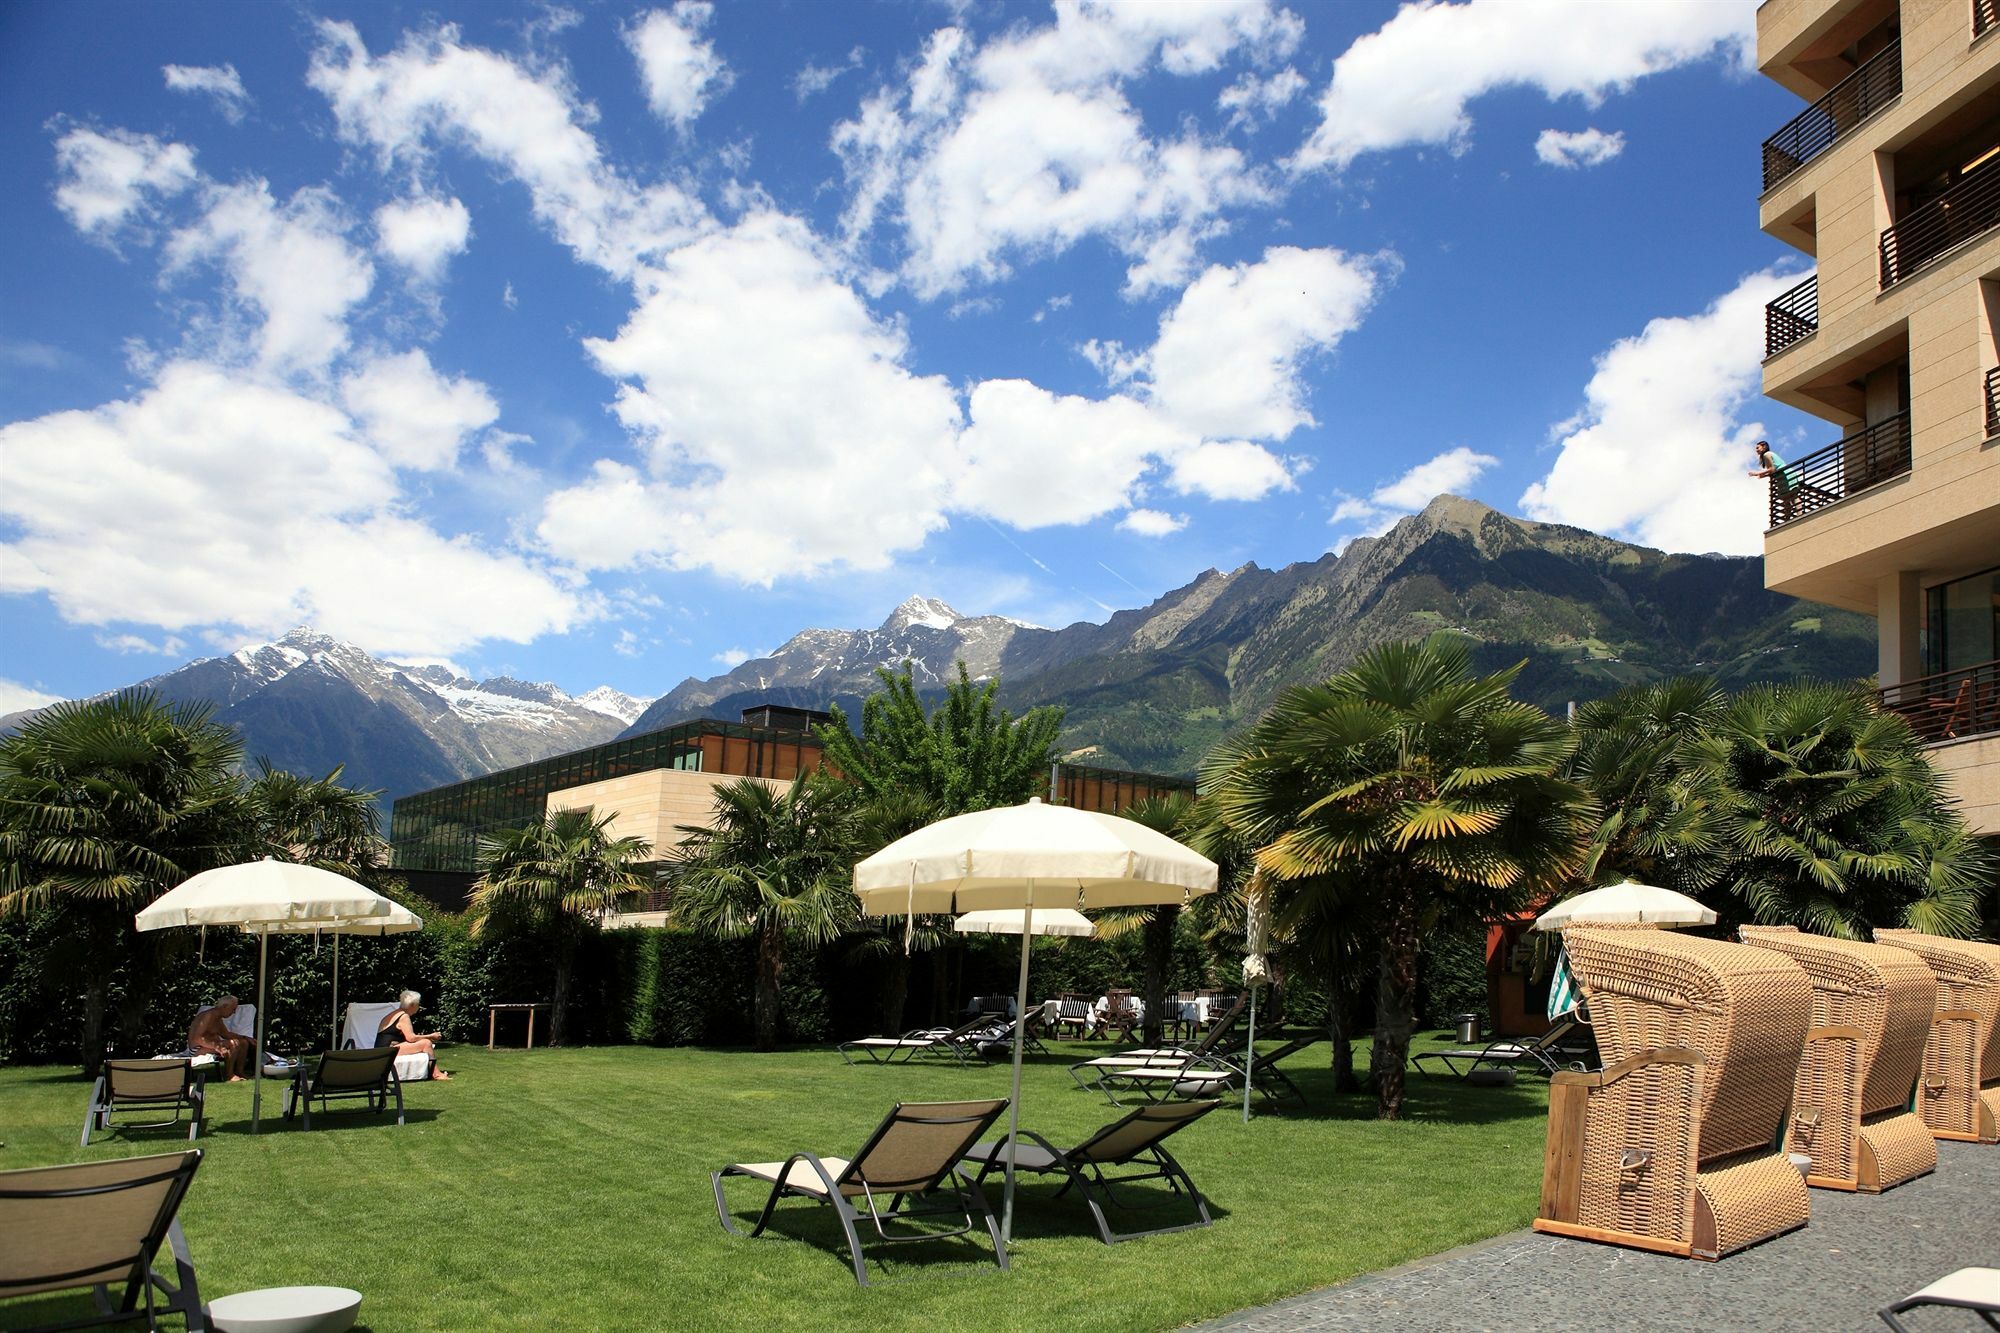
(1661, 825)
(965, 754)
(1832, 817)
(1429, 785)
(774, 864)
(557, 879)
(105, 804)
(876, 823)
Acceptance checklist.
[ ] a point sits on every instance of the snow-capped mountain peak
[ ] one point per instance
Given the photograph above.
(931, 612)
(613, 703)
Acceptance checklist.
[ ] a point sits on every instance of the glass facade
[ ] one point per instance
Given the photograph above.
(440, 829)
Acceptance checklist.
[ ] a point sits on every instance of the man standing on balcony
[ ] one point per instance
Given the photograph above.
(1782, 478)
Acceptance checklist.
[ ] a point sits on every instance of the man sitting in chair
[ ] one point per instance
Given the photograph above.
(398, 1031)
(208, 1035)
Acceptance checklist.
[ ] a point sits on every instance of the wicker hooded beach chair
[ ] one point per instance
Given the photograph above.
(1871, 1014)
(907, 1172)
(1672, 1146)
(1960, 1095)
(99, 1225)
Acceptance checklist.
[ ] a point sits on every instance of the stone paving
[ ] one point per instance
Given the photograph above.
(1859, 1253)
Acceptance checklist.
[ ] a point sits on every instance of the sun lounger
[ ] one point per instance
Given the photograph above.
(1676, 1146)
(931, 1043)
(1090, 1073)
(1271, 1082)
(151, 1086)
(1193, 1076)
(1135, 1140)
(1960, 1096)
(997, 1039)
(358, 1033)
(1975, 1289)
(99, 1225)
(367, 1076)
(1545, 1054)
(907, 1172)
(1871, 1014)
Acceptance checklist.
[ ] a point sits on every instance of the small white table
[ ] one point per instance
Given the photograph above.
(286, 1310)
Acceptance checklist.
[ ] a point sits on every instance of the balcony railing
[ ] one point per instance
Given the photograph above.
(1985, 16)
(1866, 458)
(1950, 705)
(1993, 402)
(1791, 317)
(1964, 211)
(1874, 84)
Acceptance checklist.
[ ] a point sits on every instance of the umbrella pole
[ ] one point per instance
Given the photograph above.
(333, 1021)
(1014, 1103)
(1250, 1055)
(263, 1020)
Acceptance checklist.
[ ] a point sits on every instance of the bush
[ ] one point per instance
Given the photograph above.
(1453, 979)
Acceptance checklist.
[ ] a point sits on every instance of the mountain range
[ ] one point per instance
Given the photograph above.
(1150, 688)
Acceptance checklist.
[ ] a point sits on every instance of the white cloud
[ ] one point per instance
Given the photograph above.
(1028, 145)
(1035, 459)
(1583, 148)
(1410, 81)
(171, 645)
(1152, 523)
(247, 506)
(508, 298)
(814, 79)
(290, 265)
(16, 697)
(220, 82)
(731, 658)
(416, 417)
(680, 67)
(780, 431)
(1659, 452)
(1254, 97)
(529, 124)
(105, 179)
(1228, 355)
(1448, 473)
(423, 234)
(1232, 470)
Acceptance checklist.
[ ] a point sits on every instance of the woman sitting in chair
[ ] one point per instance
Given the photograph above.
(398, 1031)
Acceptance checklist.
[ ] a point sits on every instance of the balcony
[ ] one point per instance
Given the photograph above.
(1866, 458)
(1874, 84)
(1950, 705)
(1793, 316)
(1968, 209)
(1993, 402)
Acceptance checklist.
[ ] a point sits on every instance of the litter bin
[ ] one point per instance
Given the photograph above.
(1468, 1027)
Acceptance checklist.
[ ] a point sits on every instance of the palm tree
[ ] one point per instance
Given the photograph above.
(557, 879)
(1660, 825)
(1832, 817)
(316, 821)
(1430, 786)
(105, 804)
(774, 863)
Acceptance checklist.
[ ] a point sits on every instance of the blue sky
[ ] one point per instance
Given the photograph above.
(604, 345)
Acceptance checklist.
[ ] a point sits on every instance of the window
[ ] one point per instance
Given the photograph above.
(1962, 623)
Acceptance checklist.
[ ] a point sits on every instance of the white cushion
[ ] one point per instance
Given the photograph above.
(801, 1176)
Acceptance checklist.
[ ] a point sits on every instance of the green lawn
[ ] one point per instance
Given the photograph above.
(570, 1188)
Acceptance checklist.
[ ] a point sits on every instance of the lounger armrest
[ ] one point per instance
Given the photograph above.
(1603, 1078)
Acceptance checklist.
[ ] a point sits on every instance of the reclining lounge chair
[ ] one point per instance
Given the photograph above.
(1960, 1095)
(1271, 1082)
(147, 1085)
(1136, 1140)
(1871, 1013)
(358, 1033)
(931, 1043)
(367, 1076)
(1544, 1054)
(99, 1225)
(907, 1171)
(1090, 1073)
(1673, 1147)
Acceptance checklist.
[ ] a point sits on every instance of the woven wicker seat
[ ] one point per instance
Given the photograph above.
(1671, 1146)
(1871, 1015)
(1960, 1095)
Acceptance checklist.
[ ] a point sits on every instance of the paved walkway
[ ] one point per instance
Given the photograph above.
(1858, 1253)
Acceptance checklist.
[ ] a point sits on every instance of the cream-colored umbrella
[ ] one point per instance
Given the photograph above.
(264, 897)
(399, 920)
(1025, 857)
(1630, 901)
(1004, 921)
